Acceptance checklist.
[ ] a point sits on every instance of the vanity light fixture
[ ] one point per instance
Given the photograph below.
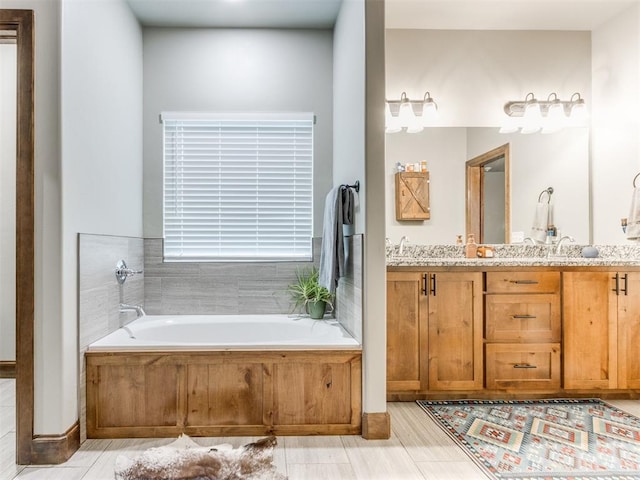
(531, 115)
(410, 115)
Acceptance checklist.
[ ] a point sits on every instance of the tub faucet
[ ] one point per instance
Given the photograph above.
(403, 240)
(125, 307)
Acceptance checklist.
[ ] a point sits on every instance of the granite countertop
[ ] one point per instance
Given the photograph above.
(512, 256)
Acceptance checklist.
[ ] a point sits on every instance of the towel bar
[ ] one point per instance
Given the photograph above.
(634, 180)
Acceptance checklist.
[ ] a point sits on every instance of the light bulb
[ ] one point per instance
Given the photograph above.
(555, 119)
(392, 123)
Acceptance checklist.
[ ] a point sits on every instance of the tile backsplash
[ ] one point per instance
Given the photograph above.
(218, 288)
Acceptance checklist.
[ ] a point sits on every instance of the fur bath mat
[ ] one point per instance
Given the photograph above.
(186, 460)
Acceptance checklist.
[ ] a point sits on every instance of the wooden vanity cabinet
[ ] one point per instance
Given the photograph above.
(601, 330)
(523, 330)
(434, 331)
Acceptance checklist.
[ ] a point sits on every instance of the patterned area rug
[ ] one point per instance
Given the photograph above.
(570, 439)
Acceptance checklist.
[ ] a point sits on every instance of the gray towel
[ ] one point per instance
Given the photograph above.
(347, 206)
(332, 251)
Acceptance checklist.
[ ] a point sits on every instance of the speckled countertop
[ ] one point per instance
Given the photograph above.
(512, 256)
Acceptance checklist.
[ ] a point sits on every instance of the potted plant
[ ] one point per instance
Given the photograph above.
(308, 295)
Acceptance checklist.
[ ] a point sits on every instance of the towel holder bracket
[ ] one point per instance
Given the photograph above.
(355, 186)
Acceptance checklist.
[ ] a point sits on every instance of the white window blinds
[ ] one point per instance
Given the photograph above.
(238, 186)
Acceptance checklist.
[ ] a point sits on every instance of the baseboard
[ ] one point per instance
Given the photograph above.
(55, 449)
(376, 426)
(7, 369)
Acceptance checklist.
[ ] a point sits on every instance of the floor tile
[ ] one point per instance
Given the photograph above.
(53, 473)
(451, 471)
(380, 459)
(321, 449)
(8, 467)
(7, 420)
(424, 440)
(321, 471)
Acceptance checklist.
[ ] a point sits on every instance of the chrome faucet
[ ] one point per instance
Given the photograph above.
(558, 250)
(530, 240)
(403, 240)
(125, 307)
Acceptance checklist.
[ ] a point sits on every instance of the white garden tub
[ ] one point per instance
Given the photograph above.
(253, 332)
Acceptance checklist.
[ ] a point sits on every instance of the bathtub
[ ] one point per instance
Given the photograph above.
(253, 332)
(164, 375)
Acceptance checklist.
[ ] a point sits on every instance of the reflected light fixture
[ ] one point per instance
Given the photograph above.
(410, 115)
(530, 115)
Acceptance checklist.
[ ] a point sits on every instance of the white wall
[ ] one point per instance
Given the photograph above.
(101, 131)
(8, 202)
(348, 101)
(236, 70)
(471, 75)
(445, 151)
(615, 124)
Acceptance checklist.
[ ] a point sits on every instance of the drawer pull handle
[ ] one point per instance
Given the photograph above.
(523, 316)
(524, 365)
(525, 282)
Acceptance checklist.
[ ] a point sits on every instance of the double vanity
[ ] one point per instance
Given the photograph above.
(521, 325)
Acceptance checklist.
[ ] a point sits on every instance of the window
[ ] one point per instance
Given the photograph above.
(238, 186)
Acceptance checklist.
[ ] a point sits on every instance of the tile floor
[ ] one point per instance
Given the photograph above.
(417, 449)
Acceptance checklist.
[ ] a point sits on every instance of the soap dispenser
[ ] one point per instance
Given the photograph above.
(471, 249)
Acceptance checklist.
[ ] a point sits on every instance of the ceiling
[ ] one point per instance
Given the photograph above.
(502, 14)
(428, 14)
(237, 13)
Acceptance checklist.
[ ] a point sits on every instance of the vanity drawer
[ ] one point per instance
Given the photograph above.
(522, 318)
(523, 282)
(534, 366)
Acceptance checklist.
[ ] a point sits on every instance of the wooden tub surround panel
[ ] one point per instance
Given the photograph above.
(218, 393)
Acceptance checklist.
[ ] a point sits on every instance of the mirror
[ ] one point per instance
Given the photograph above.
(488, 200)
(559, 160)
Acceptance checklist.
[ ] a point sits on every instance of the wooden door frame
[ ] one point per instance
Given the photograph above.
(474, 173)
(22, 22)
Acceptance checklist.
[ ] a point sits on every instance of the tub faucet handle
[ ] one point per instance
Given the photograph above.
(123, 272)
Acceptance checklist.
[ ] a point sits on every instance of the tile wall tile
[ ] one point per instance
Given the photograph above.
(349, 292)
(218, 288)
(99, 293)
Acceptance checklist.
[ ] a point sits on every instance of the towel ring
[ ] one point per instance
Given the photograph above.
(634, 180)
(549, 192)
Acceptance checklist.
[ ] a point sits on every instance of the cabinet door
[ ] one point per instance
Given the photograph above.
(590, 330)
(455, 331)
(412, 196)
(629, 330)
(406, 333)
